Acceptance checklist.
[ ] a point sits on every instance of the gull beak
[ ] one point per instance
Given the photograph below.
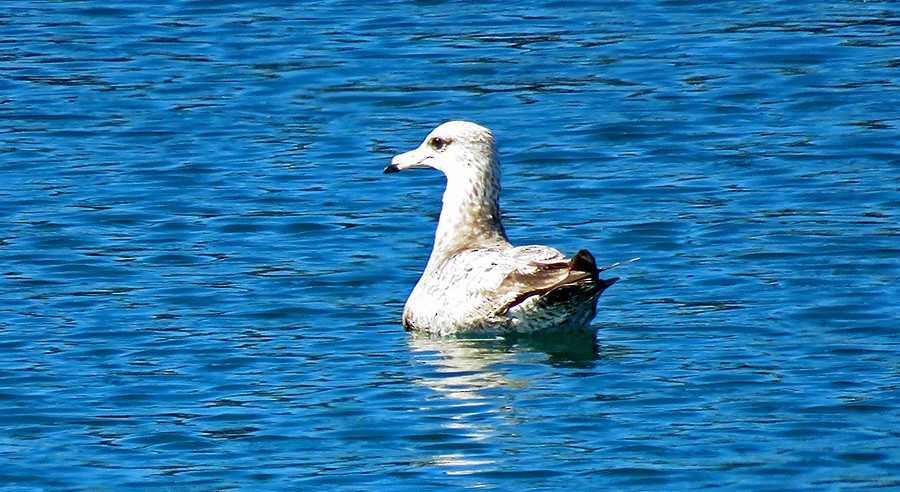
(414, 158)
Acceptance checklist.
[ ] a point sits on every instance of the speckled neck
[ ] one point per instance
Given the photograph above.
(470, 216)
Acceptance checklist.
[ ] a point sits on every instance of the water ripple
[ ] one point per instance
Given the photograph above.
(202, 267)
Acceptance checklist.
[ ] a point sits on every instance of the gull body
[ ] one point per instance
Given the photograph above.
(476, 281)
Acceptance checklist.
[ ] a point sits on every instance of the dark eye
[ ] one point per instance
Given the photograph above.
(438, 143)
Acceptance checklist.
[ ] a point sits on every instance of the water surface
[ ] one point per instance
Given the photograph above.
(203, 267)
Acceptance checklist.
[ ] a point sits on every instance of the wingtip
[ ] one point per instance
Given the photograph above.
(583, 261)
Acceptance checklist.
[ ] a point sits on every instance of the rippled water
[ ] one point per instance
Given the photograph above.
(203, 267)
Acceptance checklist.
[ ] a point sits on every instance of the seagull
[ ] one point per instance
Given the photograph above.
(476, 282)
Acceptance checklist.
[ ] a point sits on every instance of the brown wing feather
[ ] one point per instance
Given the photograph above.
(547, 277)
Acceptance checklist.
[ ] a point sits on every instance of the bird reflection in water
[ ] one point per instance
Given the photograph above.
(479, 380)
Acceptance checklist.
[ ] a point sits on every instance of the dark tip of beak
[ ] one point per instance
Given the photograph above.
(391, 168)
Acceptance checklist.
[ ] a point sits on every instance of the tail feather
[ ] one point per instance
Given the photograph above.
(614, 265)
(605, 283)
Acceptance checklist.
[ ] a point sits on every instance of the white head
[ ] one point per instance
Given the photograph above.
(470, 217)
(450, 146)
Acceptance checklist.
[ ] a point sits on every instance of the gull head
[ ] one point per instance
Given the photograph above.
(456, 147)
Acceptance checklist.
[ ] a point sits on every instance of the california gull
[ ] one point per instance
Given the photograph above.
(475, 280)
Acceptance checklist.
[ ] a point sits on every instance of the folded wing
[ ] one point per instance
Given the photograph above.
(541, 272)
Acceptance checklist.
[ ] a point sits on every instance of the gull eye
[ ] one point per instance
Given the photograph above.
(438, 143)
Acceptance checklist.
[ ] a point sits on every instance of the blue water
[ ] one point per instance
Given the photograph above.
(203, 267)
